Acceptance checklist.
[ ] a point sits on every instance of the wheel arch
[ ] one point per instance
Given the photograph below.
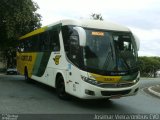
(59, 74)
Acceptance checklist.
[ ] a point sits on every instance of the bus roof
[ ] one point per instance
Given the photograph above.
(96, 24)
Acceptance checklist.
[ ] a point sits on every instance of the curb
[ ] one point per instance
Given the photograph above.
(153, 92)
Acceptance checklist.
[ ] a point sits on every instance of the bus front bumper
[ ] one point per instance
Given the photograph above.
(94, 92)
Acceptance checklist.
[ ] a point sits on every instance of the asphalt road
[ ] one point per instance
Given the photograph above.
(19, 97)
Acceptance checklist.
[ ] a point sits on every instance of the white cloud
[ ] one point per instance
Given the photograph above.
(83, 8)
(141, 15)
(145, 34)
(149, 41)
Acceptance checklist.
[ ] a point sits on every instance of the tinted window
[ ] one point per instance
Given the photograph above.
(54, 40)
(46, 41)
(71, 44)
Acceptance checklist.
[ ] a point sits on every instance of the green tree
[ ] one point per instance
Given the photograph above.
(149, 66)
(95, 16)
(17, 17)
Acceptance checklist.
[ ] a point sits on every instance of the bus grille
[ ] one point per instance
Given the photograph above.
(111, 93)
(114, 85)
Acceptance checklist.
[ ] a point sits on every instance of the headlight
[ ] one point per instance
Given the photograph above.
(88, 80)
(136, 80)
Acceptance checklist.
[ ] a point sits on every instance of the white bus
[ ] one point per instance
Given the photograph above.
(89, 59)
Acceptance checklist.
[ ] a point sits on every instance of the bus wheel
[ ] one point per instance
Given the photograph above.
(60, 88)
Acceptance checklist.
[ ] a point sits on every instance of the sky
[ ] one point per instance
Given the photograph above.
(142, 17)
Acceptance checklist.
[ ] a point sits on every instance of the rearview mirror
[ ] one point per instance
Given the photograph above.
(82, 36)
(137, 41)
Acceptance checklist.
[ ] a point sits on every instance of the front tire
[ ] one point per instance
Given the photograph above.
(60, 88)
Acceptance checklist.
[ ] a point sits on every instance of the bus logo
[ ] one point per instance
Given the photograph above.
(26, 58)
(56, 59)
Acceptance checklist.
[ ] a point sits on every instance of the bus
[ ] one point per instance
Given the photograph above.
(88, 59)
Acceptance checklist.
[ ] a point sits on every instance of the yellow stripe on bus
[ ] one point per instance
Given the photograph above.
(106, 79)
(40, 30)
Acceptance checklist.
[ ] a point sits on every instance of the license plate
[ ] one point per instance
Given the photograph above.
(116, 96)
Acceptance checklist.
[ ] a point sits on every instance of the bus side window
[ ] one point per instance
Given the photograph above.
(35, 43)
(71, 44)
(44, 41)
(54, 40)
(66, 33)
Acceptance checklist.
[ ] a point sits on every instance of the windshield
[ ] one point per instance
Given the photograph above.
(109, 51)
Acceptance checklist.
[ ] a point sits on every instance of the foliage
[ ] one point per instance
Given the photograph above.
(17, 17)
(149, 66)
(95, 16)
